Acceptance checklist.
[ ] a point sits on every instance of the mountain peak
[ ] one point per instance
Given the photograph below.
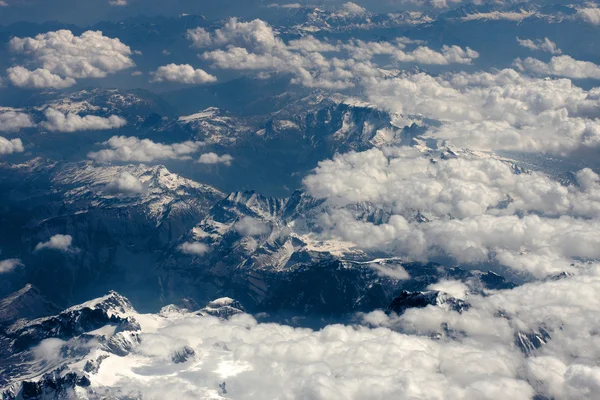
(28, 303)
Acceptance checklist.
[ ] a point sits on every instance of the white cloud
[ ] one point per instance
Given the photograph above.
(122, 148)
(249, 226)
(125, 183)
(503, 110)
(590, 15)
(213, 158)
(515, 16)
(11, 121)
(10, 146)
(63, 57)
(57, 121)
(353, 8)
(182, 74)
(194, 248)
(476, 210)
(560, 66)
(49, 350)
(255, 46)
(288, 5)
(543, 45)
(37, 79)
(118, 3)
(9, 265)
(255, 35)
(57, 242)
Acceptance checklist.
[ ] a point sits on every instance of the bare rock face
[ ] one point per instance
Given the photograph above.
(28, 303)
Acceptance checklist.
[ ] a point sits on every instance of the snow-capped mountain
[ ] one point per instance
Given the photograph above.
(125, 213)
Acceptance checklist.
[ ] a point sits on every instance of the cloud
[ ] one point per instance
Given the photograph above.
(504, 110)
(255, 46)
(57, 242)
(9, 265)
(286, 6)
(560, 66)
(182, 74)
(11, 121)
(37, 79)
(353, 9)
(10, 146)
(126, 184)
(194, 248)
(249, 226)
(58, 122)
(213, 158)
(449, 55)
(118, 3)
(63, 57)
(590, 15)
(543, 45)
(515, 16)
(472, 209)
(122, 148)
(49, 350)
(255, 35)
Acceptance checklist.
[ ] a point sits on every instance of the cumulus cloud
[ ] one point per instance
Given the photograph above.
(126, 184)
(37, 79)
(11, 121)
(504, 110)
(194, 248)
(10, 146)
(353, 9)
(9, 265)
(249, 226)
(471, 209)
(182, 74)
(122, 148)
(255, 46)
(560, 66)
(543, 45)
(70, 122)
(590, 15)
(57, 242)
(213, 158)
(62, 57)
(255, 35)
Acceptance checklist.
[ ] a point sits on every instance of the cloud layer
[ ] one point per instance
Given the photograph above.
(255, 46)
(493, 349)
(473, 209)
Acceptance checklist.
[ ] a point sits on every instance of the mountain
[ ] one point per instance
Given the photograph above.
(28, 303)
(63, 355)
(123, 229)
